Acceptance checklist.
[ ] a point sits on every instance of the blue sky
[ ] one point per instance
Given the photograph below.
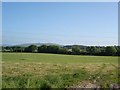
(61, 23)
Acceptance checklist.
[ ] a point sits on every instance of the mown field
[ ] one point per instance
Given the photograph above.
(38, 70)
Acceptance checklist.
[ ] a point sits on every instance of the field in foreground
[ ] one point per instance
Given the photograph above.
(37, 70)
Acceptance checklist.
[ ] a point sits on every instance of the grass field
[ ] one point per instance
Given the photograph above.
(38, 70)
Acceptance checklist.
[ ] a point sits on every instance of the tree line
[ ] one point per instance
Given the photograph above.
(69, 49)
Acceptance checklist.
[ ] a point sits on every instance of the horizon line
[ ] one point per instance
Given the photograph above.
(53, 44)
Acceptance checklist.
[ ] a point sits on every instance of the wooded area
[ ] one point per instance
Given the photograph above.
(68, 49)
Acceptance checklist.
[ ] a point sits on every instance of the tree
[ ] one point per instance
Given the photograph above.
(110, 50)
(8, 48)
(31, 48)
(97, 51)
(17, 48)
(118, 51)
(42, 49)
(75, 50)
(48, 49)
(91, 50)
(53, 49)
(62, 50)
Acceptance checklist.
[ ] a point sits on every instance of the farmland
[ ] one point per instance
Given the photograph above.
(39, 70)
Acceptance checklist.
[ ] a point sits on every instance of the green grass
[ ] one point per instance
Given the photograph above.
(57, 58)
(39, 70)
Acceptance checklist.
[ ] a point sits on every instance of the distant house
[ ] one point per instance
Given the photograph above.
(36, 50)
(5, 50)
(69, 50)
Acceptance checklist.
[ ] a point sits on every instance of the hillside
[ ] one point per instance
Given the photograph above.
(28, 44)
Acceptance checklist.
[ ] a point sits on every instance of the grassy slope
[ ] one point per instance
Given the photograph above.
(57, 58)
(54, 70)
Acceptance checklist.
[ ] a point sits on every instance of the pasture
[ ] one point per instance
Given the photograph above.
(39, 70)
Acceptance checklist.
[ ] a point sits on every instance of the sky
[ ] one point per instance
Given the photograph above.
(83, 23)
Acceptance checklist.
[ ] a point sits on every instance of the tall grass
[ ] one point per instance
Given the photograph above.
(50, 81)
(46, 71)
(60, 80)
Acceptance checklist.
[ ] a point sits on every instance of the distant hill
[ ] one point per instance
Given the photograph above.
(70, 46)
(37, 44)
(5, 45)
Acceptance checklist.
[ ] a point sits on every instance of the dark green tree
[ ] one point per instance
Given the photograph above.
(76, 50)
(92, 50)
(110, 50)
(42, 49)
(31, 48)
(118, 51)
(53, 49)
(62, 50)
